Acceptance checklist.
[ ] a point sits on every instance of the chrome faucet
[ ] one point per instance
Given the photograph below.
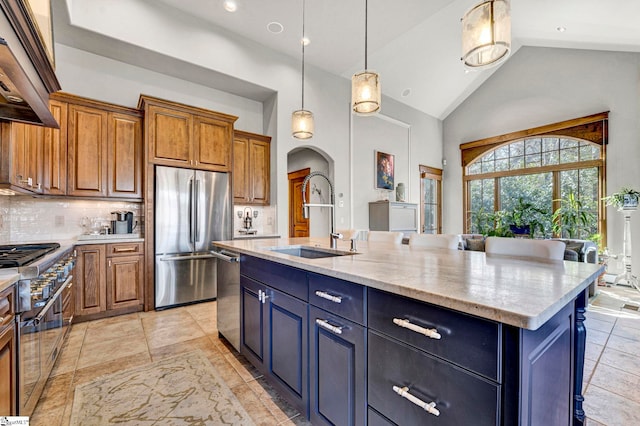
(333, 236)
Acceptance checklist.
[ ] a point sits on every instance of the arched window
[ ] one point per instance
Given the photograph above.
(542, 169)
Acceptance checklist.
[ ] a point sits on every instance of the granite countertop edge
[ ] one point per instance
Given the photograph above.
(456, 288)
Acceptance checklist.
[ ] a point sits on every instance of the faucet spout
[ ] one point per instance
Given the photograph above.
(306, 205)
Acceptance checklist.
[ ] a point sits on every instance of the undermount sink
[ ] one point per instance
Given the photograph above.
(309, 252)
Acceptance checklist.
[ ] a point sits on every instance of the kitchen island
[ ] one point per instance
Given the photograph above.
(408, 335)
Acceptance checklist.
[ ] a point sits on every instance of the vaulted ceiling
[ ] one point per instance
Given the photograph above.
(415, 45)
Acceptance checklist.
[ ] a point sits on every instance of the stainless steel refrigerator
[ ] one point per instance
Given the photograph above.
(192, 209)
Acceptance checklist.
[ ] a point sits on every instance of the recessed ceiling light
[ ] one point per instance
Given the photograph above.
(561, 29)
(305, 41)
(405, 93)
(230, 5)
(275, 27)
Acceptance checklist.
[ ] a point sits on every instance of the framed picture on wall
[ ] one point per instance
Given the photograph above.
(384, 170)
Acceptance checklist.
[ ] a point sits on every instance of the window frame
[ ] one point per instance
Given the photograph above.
(427, 172)
(593, 129)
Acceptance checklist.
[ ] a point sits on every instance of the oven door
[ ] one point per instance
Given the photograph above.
(39, 341)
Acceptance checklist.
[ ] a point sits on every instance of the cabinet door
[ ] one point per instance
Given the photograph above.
(55, 152)
(124, 281)
(212, 144)
(287, 350)
(241, 170)
(26, 147)
(8, 369)
(124, 156)
(169, 136)
(259, 162)
(252, 327)
(337, 369)
(91, 292)
(87, 145)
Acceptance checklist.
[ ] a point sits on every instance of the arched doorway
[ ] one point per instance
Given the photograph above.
(298, 161)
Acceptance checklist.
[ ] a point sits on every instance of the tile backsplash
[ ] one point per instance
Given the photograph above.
(264, 224)
(28, 219)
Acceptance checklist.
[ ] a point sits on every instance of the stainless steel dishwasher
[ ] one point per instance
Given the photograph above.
(228, 309)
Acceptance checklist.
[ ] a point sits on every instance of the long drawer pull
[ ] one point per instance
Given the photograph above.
(429, 332)
(429, 407)
(325, 295)
(325, 324)
(124, 250)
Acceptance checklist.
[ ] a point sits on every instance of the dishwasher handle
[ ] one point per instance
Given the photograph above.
(226, 256)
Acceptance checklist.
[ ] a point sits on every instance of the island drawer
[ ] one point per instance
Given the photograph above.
(471, 342)
(337, 296)
(460, 397)
(281, 277)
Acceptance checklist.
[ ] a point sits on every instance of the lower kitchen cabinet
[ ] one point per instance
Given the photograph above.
(337, 358)
(110, 279)
(273, 336)
(8, 366)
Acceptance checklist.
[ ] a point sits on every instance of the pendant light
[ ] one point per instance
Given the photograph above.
(365, 86)
(486, 34)
(302, 119)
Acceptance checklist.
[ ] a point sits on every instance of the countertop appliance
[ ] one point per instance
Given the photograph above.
(192, 209)
(122, 222)
(44, 310)
(228, 303)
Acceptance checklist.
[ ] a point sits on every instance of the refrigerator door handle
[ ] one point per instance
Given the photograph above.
(226, 256)
(190, 202)
(194, 257)
(196, 209)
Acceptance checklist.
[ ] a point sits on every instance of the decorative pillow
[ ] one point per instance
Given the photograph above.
(475, 244)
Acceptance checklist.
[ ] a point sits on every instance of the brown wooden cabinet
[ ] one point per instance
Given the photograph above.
(91, 288)
(8, 365)
(124, 155)
(251, 168)
(55, 152)
(184, 136)
(26, 168)
(110, 279)
(125, 275)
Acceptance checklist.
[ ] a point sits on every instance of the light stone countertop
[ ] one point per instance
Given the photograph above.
(516, 291)
(7, 278)
(102, 239)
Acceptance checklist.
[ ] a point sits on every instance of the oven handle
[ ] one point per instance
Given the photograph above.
(51, 301)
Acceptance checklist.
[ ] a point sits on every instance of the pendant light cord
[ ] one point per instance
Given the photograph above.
(303, 42)
(366, 14)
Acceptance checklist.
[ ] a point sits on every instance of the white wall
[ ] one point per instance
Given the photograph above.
(539, 86)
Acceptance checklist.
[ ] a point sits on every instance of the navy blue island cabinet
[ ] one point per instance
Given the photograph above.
(346, 354)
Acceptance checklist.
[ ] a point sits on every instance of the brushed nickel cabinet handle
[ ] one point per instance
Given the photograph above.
(325, 295)
(429, 332)
(429, 407)
(124, 250)
(325, 324)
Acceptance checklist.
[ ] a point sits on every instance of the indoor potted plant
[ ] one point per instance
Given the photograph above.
(624, 199)
(571, 217)
(524, 219)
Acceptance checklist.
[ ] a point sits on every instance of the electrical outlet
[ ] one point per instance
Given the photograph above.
(59, 221)
(269, 220)
(341, 203)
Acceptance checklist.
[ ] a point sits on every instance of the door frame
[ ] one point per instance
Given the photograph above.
(292, 177)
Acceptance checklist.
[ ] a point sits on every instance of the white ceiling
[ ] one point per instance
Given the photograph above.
(413, 44)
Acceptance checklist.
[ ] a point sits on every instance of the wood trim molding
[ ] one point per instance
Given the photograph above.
(145, 100)
(593, 128)
(105, 106)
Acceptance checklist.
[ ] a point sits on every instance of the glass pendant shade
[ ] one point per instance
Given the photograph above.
(365, 92)
(486, 34)
(302, 124)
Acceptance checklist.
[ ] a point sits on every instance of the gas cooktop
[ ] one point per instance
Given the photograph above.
(15, 255)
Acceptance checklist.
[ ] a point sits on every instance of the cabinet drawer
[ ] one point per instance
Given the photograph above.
(124, 249)
(468, 341)
(281, 277)
(461, 398)
(7, 308)
(337, 296)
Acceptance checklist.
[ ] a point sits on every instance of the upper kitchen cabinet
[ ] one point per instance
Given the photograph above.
(104, 143)
(251, 168)
(184, 136)
(55, 151)
(26, 168)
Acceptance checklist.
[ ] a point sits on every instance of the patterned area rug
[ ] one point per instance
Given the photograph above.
(181, 390)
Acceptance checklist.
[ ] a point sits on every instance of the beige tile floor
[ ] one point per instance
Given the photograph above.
(612, 360)
(611, 381)
(105, 346)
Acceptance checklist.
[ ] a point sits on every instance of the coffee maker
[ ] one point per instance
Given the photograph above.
(122, 223)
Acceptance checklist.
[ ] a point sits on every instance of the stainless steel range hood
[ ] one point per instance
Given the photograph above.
(26, 75)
